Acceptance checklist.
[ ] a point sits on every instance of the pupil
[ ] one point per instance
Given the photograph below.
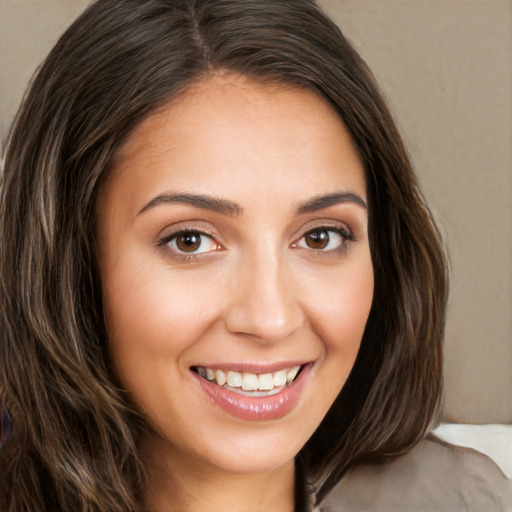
(317, 239)
(188, 242)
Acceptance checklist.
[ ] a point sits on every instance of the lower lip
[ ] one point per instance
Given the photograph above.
(257, 408)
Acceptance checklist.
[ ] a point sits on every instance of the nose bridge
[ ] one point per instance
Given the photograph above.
(264, 303)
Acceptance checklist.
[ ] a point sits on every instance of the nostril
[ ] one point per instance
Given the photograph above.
(266, 322)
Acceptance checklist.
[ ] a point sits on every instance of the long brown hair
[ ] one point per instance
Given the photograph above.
(76, 432)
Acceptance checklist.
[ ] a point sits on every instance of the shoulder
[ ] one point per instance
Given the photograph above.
(434, 476)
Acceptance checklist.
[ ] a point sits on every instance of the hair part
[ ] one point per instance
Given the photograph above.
(76, 432)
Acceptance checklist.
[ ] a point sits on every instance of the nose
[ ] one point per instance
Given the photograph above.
(264, 302)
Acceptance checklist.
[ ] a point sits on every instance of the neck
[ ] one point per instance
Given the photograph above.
(184, 486)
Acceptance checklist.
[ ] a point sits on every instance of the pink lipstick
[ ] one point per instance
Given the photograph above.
(269, 401)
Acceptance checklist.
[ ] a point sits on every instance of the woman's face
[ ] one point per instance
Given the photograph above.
(233, 245)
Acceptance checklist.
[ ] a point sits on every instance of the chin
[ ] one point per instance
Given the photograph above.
(254, 462)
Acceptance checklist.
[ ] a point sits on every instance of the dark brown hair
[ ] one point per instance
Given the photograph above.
(75, 431)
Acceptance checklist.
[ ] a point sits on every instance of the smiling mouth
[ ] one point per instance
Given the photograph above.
(250, 384)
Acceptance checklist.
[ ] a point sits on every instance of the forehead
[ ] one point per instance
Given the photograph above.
(232, 130)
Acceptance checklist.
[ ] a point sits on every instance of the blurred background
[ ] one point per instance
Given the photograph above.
(446, 69)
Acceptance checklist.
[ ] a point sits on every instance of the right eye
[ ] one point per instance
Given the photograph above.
(189, 242)
(325, 239)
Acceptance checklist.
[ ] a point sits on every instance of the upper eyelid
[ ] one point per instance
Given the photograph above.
(188, 230)
(335, 225)
(346, 234)
(170, 232)
(329, 227)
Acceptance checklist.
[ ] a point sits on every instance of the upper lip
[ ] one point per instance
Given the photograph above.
(252, 367)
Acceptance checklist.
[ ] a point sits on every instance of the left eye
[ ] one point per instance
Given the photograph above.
(191, 242)
(322, 239)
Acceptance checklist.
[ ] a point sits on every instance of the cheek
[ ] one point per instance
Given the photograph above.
(153, 313)
(340, 307)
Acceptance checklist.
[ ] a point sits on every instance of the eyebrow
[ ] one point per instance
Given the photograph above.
(198, 200)
(227, 207)
(321, 202)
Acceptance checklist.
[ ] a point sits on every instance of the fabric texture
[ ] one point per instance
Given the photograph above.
(434, 477)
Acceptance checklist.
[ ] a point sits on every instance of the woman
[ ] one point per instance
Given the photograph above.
(221, 286)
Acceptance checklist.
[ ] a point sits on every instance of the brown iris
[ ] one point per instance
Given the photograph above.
(317, 239)
(188, 241)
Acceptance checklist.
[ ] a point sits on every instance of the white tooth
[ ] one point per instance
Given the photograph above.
(210, 374)
(280, 378)
(249, 381)
(266, 381)
(201, 371)
(234, 379)
(220, 377)
(291, 374)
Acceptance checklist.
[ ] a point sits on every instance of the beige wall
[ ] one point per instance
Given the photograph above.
(446, 68)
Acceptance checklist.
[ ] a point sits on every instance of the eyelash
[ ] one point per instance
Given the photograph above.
(346, 237)
(167, 239)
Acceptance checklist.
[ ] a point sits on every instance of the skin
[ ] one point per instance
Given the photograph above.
(254, 292)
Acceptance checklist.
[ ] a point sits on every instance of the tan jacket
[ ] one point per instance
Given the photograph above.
(433, 477)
